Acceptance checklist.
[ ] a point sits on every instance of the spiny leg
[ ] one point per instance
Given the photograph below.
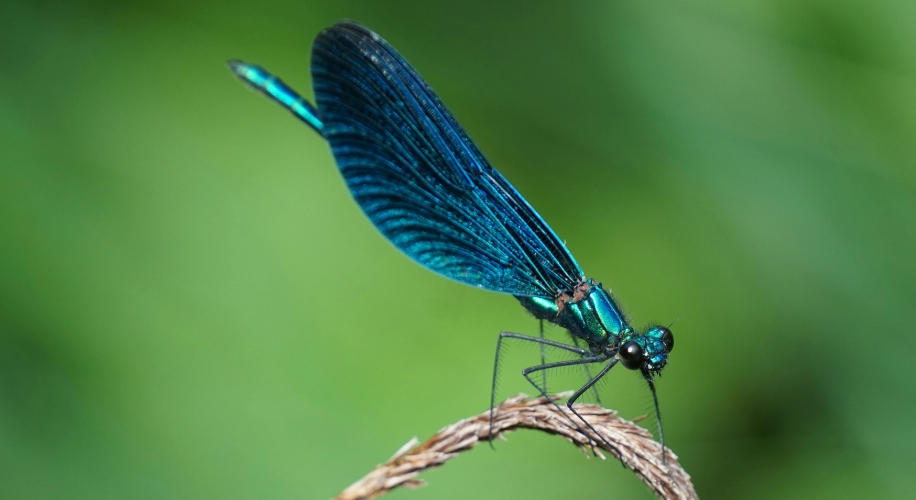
(592, 359)
(588, 373)
(658, 417)
(544, 356)
(588, 385)
(526, 338)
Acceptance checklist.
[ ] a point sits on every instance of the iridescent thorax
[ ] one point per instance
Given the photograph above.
(589, 313)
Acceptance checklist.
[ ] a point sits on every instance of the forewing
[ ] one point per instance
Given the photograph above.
(421, 180)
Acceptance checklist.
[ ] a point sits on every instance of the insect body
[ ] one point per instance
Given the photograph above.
(425, 185)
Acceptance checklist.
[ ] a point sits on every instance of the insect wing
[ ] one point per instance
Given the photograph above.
(421, 180)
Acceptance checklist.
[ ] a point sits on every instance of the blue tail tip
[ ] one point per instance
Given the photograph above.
(238, 67)
(251, 74)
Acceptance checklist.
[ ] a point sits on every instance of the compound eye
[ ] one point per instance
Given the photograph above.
(666, 338)
(631, 355)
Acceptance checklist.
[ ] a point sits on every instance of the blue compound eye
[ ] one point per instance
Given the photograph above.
(631, 355)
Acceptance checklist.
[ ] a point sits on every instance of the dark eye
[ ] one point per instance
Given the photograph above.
(631, 355)
(666, 338)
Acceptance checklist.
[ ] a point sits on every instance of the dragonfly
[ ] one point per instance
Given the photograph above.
(427, 188)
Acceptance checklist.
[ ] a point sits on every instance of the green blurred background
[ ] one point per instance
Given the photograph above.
(192, 306)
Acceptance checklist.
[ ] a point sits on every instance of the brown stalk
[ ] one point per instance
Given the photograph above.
(634, 447)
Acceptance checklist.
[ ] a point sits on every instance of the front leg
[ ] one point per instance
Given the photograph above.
(588, 385)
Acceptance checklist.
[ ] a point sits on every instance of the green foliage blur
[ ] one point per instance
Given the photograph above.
(192, 306)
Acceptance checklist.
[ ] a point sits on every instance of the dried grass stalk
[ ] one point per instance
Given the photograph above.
(637, 450)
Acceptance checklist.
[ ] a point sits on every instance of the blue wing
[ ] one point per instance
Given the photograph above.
(421, 180)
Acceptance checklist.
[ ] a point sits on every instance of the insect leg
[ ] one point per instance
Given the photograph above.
(588, 373)
(544, 356)
(527, 338)
(658, 417)
(592, 359)
(572, 399)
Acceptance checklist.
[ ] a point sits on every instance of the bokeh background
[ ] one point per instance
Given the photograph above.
(192, 306)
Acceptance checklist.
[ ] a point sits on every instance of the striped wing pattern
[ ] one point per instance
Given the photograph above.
(420, 179)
